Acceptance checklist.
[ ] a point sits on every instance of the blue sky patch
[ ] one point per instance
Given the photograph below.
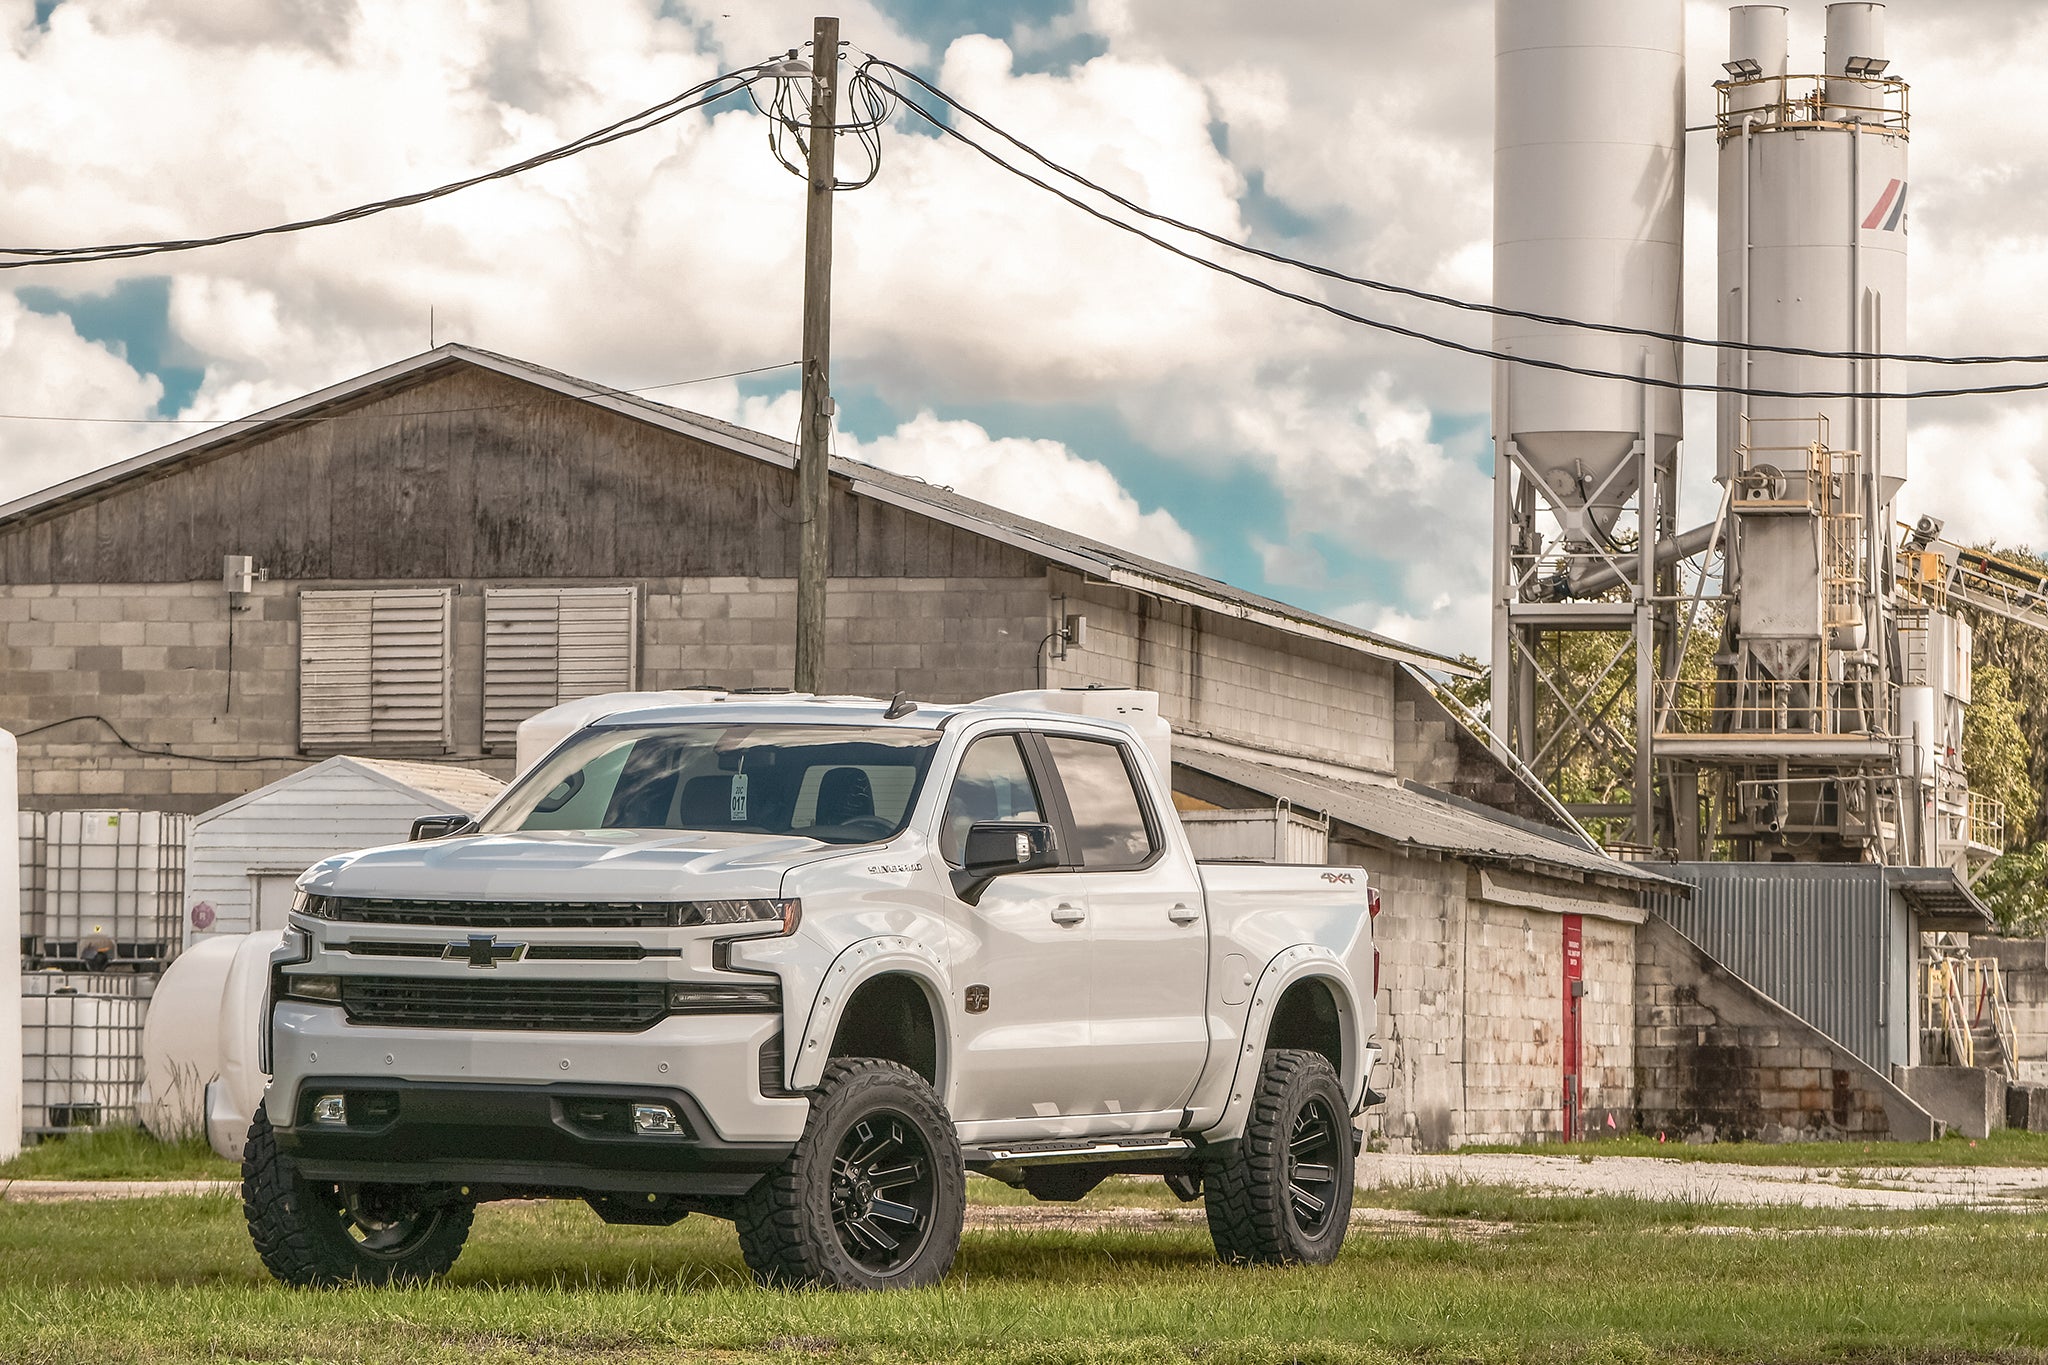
(133, 320)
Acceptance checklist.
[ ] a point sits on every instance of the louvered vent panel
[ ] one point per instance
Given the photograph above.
(374, 669)
(543, 646)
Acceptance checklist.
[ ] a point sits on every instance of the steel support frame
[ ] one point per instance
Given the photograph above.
(1519, 678)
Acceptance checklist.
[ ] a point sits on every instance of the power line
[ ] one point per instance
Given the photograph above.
(385, 416)
(1422, 295)
(696, 97)
(1430, 338)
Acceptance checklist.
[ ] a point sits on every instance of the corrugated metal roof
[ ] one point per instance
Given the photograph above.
(1119, 567)
(1408, 813)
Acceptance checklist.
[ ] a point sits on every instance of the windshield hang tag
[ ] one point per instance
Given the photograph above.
(739, 797)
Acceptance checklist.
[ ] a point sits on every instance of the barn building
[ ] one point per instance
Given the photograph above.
(458, 540)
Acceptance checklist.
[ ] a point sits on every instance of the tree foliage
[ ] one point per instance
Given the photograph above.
(2005, 750)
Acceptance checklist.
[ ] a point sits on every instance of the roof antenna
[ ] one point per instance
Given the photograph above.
(430, 326)
(899, 707)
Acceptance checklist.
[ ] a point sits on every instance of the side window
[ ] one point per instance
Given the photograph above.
(1108, 819)
(993, 784)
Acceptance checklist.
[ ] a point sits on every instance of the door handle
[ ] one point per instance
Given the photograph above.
(1065, 913)
(1183, 914)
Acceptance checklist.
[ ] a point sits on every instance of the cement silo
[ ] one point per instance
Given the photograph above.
(1812, 255)
(1588, 214)
(1589, 224)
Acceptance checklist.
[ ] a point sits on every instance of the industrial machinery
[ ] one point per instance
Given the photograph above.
(1794, 697)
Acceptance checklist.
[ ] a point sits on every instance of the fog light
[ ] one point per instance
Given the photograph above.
(331, 1110)
(654, 1120)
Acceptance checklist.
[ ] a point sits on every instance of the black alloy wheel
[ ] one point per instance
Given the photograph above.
(1312, 1161)
(1281, 1194)
(385, 1222)
(884, 1187)
(873, 1193)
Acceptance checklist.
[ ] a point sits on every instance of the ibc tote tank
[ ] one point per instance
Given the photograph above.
(1588, 223)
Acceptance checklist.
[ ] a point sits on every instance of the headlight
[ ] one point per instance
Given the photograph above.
(719, 997)
(323, 988)
(312, 906)
(789, 912)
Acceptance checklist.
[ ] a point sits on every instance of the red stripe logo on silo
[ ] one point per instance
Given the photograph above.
(1890, 210)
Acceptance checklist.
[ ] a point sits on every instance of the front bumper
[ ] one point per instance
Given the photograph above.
(487, 1107)
(512, 1139)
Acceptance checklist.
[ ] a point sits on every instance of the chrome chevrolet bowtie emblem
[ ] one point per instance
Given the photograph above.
(484, 950)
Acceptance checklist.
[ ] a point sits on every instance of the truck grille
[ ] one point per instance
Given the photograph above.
(555, 1006)
(505, 914)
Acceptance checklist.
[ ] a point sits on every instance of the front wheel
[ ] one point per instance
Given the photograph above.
(874, 1193)
(315, 1235)
(1282, 1194)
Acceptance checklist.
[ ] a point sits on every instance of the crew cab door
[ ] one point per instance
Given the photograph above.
(1020, 965)
(1148, 950)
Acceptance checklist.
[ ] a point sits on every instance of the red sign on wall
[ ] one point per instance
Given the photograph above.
(1574, 992)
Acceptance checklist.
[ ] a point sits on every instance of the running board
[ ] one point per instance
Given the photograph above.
(1049, 1153)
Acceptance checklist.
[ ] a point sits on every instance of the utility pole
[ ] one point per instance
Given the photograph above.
(814, 555)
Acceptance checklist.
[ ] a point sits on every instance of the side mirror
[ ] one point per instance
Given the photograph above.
(997, 850)
(441, 826)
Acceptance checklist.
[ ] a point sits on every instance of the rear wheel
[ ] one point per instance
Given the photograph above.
(1282, 1194)
(315, 1234)
(873, 1195)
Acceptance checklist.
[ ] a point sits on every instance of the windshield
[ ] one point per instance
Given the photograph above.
(842, 784)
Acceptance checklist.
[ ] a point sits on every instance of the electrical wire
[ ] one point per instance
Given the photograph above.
(385, 416)
(155, 751)
(696, 97)
(1422, 295)
(1433, 339)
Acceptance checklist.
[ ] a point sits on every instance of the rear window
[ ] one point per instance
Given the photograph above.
(1109, 818)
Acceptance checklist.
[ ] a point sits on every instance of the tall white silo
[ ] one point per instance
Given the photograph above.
(1812, 255)
(1813, 235)
(1589, 169)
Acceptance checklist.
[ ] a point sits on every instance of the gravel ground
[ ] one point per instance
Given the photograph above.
(1868, 1187)
(1863, 1187)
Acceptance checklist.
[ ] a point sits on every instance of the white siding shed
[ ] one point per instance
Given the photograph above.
(241, 858)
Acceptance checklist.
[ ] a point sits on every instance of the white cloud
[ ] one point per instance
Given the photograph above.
(1043, 480)
(52, 371)
(679, 252)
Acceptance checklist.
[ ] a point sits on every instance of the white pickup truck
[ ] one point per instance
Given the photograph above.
(804, 963)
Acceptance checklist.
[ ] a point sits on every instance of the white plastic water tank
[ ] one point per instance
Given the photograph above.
(539, 733)
(1135, 707)
(1589, 219)
(201, 1044)
(181, 1038)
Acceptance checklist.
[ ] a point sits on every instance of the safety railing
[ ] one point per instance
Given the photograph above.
(1772, 103)
(1965, 994)
(1946, 1013)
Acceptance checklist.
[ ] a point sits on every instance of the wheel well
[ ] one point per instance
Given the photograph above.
(890, 1018)
(1307, 1018)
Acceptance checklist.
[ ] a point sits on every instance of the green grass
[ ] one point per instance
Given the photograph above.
(174, 1279)
(2002, 1148)
(117, 1154)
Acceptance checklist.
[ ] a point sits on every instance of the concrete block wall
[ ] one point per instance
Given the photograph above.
(1223, 676)
(154, 659)
(1471, 1005)
(1717, 1060)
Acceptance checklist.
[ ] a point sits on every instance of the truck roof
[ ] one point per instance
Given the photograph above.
(801, 707)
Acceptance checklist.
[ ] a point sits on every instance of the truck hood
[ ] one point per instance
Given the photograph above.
(571, 865)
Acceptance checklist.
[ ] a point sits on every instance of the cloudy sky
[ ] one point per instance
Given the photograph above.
(985, 336)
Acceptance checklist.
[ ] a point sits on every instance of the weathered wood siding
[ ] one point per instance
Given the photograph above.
(469, 474)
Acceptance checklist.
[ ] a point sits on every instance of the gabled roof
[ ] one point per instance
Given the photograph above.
(1079, 553)
(457, 791)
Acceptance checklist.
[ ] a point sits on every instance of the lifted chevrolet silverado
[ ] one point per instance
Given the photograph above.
(804, 964)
